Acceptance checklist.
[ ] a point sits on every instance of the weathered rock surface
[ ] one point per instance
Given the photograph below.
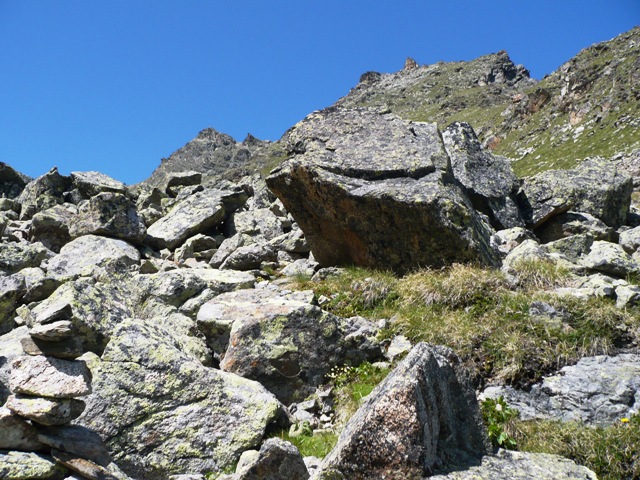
(281, 340)
(17, 433)
(10, 348)
(45, 411)
(594, 187)
(198, 213)
(51, 226)
(610, 258)
(32, 466)
(354, 176)
(575, 223)
(42, 193)
(93, 183)
(12, 182)
(86, 255)
(16, 256)
(111, 215)
(12, 289)
(49, 377)
(489, 180)
(276, 460)
(424, 415)
(261, 223)
(509, 465)
(160, 412)
(597, 390)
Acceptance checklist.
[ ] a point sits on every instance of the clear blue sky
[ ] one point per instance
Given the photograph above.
(115, 85)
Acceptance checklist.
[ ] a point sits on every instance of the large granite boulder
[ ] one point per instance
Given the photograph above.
(370, 189)
(93, 183)
(595, 187)
(51, 226)
(597, 390)
(161, 412)
(489, 180)
(280, 339)
(43, 192)
(111, 215)
(198, 213)
(508, 465)
(15, 256)
(423, 416)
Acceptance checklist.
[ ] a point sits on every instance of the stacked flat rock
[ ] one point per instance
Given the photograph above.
(45, 385)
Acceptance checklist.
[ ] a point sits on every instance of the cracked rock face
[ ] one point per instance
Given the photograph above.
(370, 189)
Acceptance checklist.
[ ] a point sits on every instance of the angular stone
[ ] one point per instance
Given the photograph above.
(423, 416)
(249, 257)
(198, 213)
(86, 468)
(86, 255)
(45, 411)
(76, 440)
(610, 258)
(284, 342)
(52, 332)
(12, 182)
(630, 240)
(111, 215)
(42, 193)
(94, 183)
(17, 434)
(595, 187)
(53, 311)
(509, 465)
(356, 175)
(16, 256)
(575, 223)
(12, 289)
(276, 460)
(10, 348)
(69, 349)
(32, 466)
(260, 223)
(49, 377)
(489, 180)
(39, 284)
(161, 412)
(51, 226)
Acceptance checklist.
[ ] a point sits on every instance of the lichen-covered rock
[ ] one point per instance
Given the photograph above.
(39, 285)
(597, 390)
(276, 460)
(197, 213)
(111, 215)
(506, 240)
(509, 465)
(93, 183)
(32, 466)
(76, 440)
(373, 190)
(423, 416)
(594, 187)
(249, 257)
(86, 468)
(261, 223)
(12, 182)
(489, 180)
(281, 340)
(42, 193)
(630, 240)
(51, 226)
(160, 412)
(10, 348)
(575, 223)
(87, 255)
(16, 256)
(49, 377)
(17, 433)
(45, 411)
(610, 258)
(12, 289)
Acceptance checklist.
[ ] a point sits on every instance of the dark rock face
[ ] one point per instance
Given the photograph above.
(43, 192)
(594, 187)
(489, 180)
(276, 460)
(422, 416)
(373, 190)
(11, 182)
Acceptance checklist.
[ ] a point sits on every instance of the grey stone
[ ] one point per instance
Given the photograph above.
(302, 266)
(594, 187)
(572, 248)
(52, 311)
(12, 182)
(260, 223)
(49, 377)
(54, 331)
(575, 223)
(111, 215)
(510, 465)
(28, 465)
(76, 440)
(45, 411)
(423, 416)
(627, 296)
(597, 390)
(630, 240)
(86, 468)
(228, 246)
(249, 257)
(182, 179)
(489, 180)
(16, 256)
(68, 349)
(355, 175)
(42, 193)
(17, 434)
(610, 258)
(51, 226)
(198, 213)
(160, 412)
(10, 348)
(399, 346)
(39, 285)
(276, 460)
(87, 255)
(93, 183)
(506, 240)
(12, 289)
(529, 250)
(292, 242)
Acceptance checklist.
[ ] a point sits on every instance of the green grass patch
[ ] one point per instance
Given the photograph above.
(316, 445)
(611, 452)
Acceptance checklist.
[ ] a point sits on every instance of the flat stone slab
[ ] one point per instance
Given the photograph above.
(46, 411)
(49, 377)
(33, 466)
(17, 433)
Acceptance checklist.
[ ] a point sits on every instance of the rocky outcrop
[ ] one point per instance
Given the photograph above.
(370, 189)
(423, 416)
(276, 460)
